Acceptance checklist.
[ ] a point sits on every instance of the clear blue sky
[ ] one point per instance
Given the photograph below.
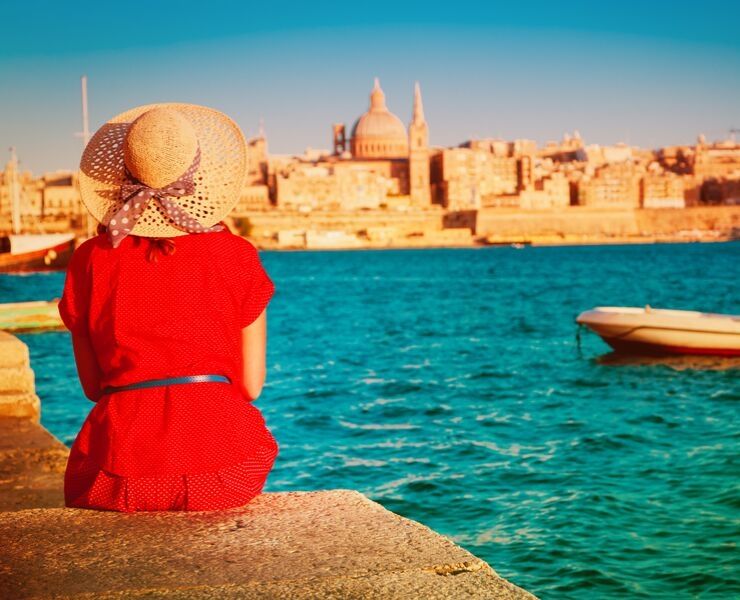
(649, 72)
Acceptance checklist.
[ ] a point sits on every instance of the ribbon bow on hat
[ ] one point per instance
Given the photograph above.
(136, 197)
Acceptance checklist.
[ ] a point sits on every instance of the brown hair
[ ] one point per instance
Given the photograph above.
(155, 245)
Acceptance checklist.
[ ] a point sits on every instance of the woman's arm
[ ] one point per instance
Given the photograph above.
(254, 350)
(87, 366)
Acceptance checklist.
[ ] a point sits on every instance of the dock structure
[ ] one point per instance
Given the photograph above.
(29, 317)
(320, 544)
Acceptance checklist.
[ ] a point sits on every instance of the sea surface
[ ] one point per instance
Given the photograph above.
(448, 385)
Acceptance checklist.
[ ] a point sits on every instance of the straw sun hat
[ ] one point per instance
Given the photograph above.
(163, 170)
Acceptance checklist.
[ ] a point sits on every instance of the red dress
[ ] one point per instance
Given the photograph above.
(193, 446)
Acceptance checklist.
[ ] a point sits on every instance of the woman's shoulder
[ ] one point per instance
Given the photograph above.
(90, 243)
(83, 252)
(227, 242)
(238, 244)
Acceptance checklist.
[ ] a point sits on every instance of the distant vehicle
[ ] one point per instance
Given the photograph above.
(656, 331)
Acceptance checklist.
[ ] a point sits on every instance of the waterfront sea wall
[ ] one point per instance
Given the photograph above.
(318, 544)
(435, 227)
(432, 227)
(583, 224)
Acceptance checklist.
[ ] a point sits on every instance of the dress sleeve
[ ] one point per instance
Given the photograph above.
(74, 303)
(254, 284)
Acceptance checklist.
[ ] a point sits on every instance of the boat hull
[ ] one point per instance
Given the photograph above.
(53, 258)
(653, 349)
(664, 332)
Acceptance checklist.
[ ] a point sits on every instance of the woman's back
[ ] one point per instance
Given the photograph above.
(179, 315)
(174, 447)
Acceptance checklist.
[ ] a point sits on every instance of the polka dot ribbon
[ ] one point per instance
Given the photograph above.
(136, 197)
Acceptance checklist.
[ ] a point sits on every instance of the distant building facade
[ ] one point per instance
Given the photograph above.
(612, 186)
(379, 163)
(14, 181)
(662, 189)
(60, 195)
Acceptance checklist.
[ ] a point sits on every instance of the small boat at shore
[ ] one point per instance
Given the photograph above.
(26, 253)
(656, 331)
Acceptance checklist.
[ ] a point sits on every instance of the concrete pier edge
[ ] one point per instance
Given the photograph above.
(316, 544)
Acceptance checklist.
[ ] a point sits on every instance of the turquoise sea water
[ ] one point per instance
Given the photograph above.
(447, 385)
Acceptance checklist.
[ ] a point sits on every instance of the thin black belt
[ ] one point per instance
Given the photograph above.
(166, 381)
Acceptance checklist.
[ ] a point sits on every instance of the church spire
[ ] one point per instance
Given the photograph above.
(418, 106)
(419, 173)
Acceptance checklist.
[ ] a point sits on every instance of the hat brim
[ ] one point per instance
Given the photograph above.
(218, 181)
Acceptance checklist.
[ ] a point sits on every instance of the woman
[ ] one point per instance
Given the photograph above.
(167, 312)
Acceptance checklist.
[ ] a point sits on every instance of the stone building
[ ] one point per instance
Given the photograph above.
(570, 149)
(381, 163)
(598, 155)
(253, 198)
(28, 190)
(482, 173)
(60, 195)
(611, 186)
(468, 178)
(255, 194)
(331, 185)
(720, 191)
(662, 189)
(552, 191)
(711, 171)
(257, 159)
(53, 196)
(720, 160)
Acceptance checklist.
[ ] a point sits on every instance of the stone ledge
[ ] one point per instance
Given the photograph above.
(325, 544)
(19, 378)
(335, 544)
(411, 584)
(13, 352)
(32, 463)
(20, 404)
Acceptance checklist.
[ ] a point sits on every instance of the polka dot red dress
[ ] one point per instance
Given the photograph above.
(192, 446)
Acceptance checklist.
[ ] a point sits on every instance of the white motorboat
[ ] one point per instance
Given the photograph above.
(661, 331)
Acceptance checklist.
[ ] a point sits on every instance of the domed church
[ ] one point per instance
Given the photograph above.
(379, 137)
(379, 133)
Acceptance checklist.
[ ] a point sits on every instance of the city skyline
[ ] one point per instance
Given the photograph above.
(650, 83)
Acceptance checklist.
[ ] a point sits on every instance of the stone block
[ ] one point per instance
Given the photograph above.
(20, 404)
(13, 352)
(18, 378)
(32, 464)
(327, 544)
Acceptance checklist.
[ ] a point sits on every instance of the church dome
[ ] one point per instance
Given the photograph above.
(379, 133)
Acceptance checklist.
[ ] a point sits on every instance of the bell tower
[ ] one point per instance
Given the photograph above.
(419, 188)
(340, 138)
